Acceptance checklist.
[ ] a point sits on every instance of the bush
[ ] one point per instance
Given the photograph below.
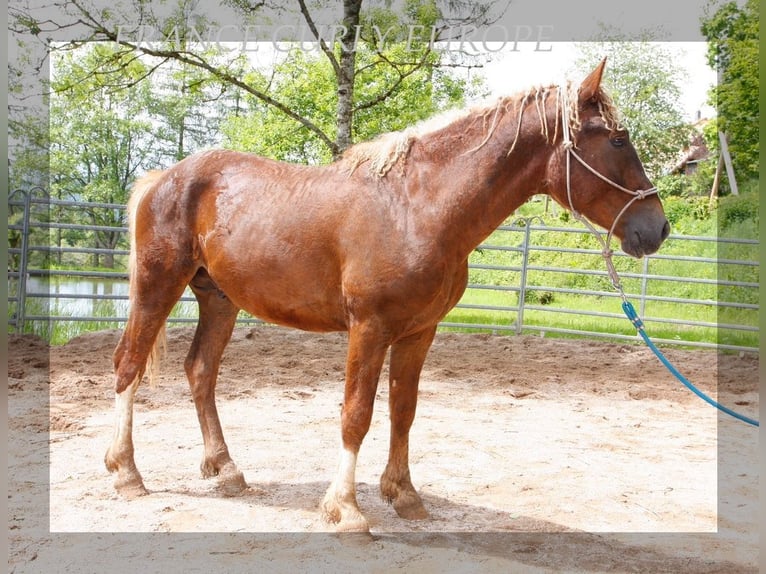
(684, 209)
(734, 209)
(698, 183)
(672, 185)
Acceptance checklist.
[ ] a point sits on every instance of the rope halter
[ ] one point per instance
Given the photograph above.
(639, 194)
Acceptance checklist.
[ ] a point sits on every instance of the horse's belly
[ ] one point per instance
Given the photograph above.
(303, 313)
(292, 297)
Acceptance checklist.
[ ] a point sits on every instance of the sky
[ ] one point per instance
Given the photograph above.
(509, 71)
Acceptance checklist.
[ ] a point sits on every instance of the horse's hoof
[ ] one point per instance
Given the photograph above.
(405, 500)
(357, 524)
(130, 488)
(344, 518)
(410, 509)
(231, 482)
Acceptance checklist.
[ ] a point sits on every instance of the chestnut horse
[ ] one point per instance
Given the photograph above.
(376, 244)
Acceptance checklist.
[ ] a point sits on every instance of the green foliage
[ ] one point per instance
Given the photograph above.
(302, 81)
(30, 136)
(701, 181)
(733, 35)
(396, 83)
(672, 185)
(113, 116)
(305, 82)
(418, 96)
(734, 209)
(685, 213)
(188, 105)
(96, 151)
(100, 137)
(698, 183)
(697, 215)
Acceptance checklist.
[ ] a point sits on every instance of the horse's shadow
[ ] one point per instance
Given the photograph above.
(445, 514)
(486, 532)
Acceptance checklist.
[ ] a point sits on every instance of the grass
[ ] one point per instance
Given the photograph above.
(550, 317)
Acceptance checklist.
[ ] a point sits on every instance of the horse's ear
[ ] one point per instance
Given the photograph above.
(589, 89)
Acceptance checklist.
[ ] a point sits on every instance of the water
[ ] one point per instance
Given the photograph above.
(61, 307)
(78, 297)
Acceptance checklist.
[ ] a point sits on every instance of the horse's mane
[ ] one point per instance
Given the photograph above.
(385, 151)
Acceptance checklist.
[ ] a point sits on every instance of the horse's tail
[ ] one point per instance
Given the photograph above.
(140, 189)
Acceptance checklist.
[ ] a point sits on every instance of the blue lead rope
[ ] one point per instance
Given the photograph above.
(630, 311)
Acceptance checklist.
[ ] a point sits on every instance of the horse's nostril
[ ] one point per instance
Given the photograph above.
(665, 230)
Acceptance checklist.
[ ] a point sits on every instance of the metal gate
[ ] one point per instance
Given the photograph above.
(57, 276)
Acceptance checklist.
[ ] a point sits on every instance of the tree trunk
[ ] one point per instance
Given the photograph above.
(346, 75)
(108, 260)
(105, 240)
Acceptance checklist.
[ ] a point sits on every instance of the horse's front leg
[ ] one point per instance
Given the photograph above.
(407, 358)
(366, 352)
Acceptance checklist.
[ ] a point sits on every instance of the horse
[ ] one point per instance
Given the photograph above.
(375, 244)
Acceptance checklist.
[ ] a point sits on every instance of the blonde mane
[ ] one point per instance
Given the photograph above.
(385, 151)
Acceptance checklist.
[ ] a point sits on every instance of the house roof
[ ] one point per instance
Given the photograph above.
(697, 149)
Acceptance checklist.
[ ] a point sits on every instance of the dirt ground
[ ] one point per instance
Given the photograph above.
(531, 454)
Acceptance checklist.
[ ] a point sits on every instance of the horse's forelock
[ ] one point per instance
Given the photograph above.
(608, 111)
(606, 108)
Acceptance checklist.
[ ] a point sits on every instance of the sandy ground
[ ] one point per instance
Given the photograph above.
(531, 454)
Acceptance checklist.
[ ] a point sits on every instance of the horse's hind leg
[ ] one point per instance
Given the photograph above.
(119, 457)
(151, 303)
(217, 315)
(407, 358)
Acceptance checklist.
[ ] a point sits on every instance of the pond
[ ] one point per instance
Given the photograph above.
(78, 297)
(59, 307)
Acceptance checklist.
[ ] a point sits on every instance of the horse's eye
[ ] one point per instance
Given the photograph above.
(618, 141)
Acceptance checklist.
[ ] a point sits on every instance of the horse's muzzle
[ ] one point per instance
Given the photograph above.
(645, 237)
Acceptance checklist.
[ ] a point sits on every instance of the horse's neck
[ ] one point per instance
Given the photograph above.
(472, 191)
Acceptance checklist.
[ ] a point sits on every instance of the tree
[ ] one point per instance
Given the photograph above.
(644, 82)
(123, 25)
(100, 139)
(28, 143)
(305, 82)
(188, 103)
(732, 32)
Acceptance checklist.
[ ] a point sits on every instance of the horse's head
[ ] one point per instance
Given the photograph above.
(600, 176)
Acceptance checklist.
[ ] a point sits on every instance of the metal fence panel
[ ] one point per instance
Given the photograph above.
(513, 285)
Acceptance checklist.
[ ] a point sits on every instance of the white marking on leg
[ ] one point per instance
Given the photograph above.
(123, 429)
(345, 480)
(340, 504)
